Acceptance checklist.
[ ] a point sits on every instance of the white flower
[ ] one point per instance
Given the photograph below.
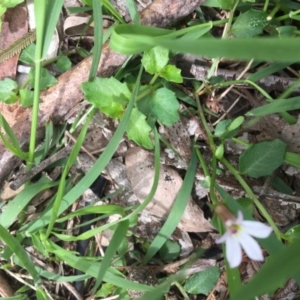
(239, 234)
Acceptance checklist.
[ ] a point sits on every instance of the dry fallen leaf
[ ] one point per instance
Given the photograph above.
(14, 26)
(140, 172)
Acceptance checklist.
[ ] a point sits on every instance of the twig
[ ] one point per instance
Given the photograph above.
(44, 164)
(271, 82)
(227, 111)
(275, 194)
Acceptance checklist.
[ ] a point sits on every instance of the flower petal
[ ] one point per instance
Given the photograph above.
(223, 238)
(233, 251)
(251, 246)
(239, 218)
(256, 229)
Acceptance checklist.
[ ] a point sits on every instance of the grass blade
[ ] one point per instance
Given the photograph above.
(176, 212)
(98, 37)
(92, 269)
(72, 158)
(111, 250)
(14, 146)
(20, 252)
(277, 106)
(16, 205)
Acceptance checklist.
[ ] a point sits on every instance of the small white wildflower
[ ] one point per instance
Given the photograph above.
(239, 235)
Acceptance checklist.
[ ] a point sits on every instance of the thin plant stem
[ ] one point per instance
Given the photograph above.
(266, 5)
(181, 289)
(230, 19)
(252, 196)
(215, 61)
(213, 148)
(202, 162)
(154, 79)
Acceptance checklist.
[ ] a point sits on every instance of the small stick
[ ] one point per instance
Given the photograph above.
(272, 82)
(44, 164)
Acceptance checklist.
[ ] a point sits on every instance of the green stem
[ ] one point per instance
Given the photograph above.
(274, 11)
(154, 78)
(230, 19)
(35, 113)
(213, 148)
(148, 91)
(225, 35)
(288, 16)
(182, 291)
(204, 123)
(202, 162)
(266, 5)
(252, 196)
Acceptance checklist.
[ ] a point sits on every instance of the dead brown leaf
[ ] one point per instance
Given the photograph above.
(140, 171)
(14, 26)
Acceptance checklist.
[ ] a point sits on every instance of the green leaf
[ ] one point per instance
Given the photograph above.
(284, 31)
(177, 211)
(26, 97)
(164, 106)
(219, 153)
(225, 4)
(138, 129)
(293, 233)
(46, 78)
(221, 128)
(155, 59)
(250, 23)
(107, 94)
(171, 73)
(227, 128)
(247, 204)
(262, 159)
(277, 106)
(202, 282)
(18, 250)
(236, 123)
(41, 295)
(143, 104)
(8, 91)
(28, 55)
(169, 251)
(10, 3)
(123, 247)
(292, 159)
(15, 206)
(115, 241)
(63, 64)
(106, 290)
(98, 38)
(132, 39)
(13, 145)
(46, 16)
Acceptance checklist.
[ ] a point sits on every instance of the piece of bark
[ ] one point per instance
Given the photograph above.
(59, 100)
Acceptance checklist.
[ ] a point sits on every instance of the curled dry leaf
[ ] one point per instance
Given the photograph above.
(140, 172)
